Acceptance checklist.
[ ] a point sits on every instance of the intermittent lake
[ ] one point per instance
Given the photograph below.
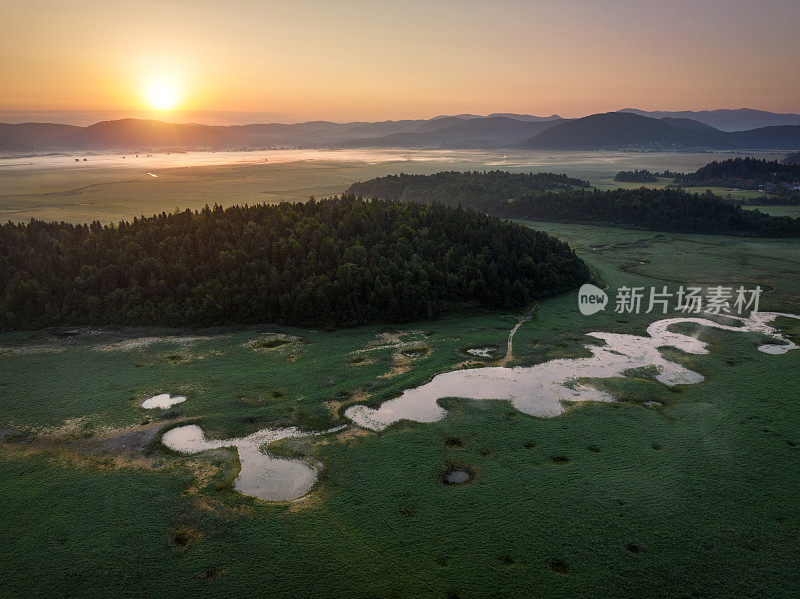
(540, 390)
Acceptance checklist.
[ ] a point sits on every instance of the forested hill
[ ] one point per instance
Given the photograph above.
(746, 173)
(637, 176)
(655, 209)
(454, 188)
(669, 210)
(341, 261)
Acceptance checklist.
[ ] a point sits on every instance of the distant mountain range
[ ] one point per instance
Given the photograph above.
(625, 129)
(621, 130)
(138, 134)
(27, 137)
(481, 132)
(740, 119)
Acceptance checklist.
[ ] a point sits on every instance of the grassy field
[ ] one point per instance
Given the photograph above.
(793, 211)
(111, 192)
(736, 194)
(696, 498)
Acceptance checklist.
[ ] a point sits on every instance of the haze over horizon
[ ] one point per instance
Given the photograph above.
(85, 118)
(355, 61)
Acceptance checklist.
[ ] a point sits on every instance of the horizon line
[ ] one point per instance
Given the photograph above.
(156, 116)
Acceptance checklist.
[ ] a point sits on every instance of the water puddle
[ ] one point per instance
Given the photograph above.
(777, 350)
(262, 475)
(457, 477)
(163, 401)
(538, 390)
(541, 390)
(482, 352)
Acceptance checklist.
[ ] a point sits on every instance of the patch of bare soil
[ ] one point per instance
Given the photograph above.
(336, 405)
(351, 433)
(203, 472)
(403, 359)
(212, 505)
(108, 449)
(310, 500)
(188, 357)
(408, 345)
(468, 364)
(23, 350)
(359, 360)
(145, 342)
(275, 342)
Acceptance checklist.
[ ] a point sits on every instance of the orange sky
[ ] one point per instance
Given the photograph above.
(354, 60)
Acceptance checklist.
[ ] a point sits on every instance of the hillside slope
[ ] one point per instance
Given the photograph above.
(620, 130)
(140, 133)
(481, 132)
(341, 261)
(740, 119)
(26, 137)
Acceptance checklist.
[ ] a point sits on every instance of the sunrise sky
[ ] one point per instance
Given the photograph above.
(242, 60)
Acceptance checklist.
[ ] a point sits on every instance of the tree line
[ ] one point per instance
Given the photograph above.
(655, 209)
(455, 188)
(341, 261)
(745, 173)
(637, 176)
(643, 176)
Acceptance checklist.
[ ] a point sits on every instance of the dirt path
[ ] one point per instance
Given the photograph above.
(509, 351)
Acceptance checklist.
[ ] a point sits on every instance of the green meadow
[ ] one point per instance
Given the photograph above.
(792, 211)
(695, 497)
(741, 195)
(108, 190)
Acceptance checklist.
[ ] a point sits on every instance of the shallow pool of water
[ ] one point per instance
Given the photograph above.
(262, 475)
(541, 390)
(457, 477)
(482, 352)
(538, 390)
(163, 401)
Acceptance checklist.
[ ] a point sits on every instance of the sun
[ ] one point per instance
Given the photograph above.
(162, 95)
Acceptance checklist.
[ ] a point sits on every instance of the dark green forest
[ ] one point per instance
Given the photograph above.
(637, 176)
(644, 176)
(671, 210)
(341, 261)
(745, 173)
(454, 188)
